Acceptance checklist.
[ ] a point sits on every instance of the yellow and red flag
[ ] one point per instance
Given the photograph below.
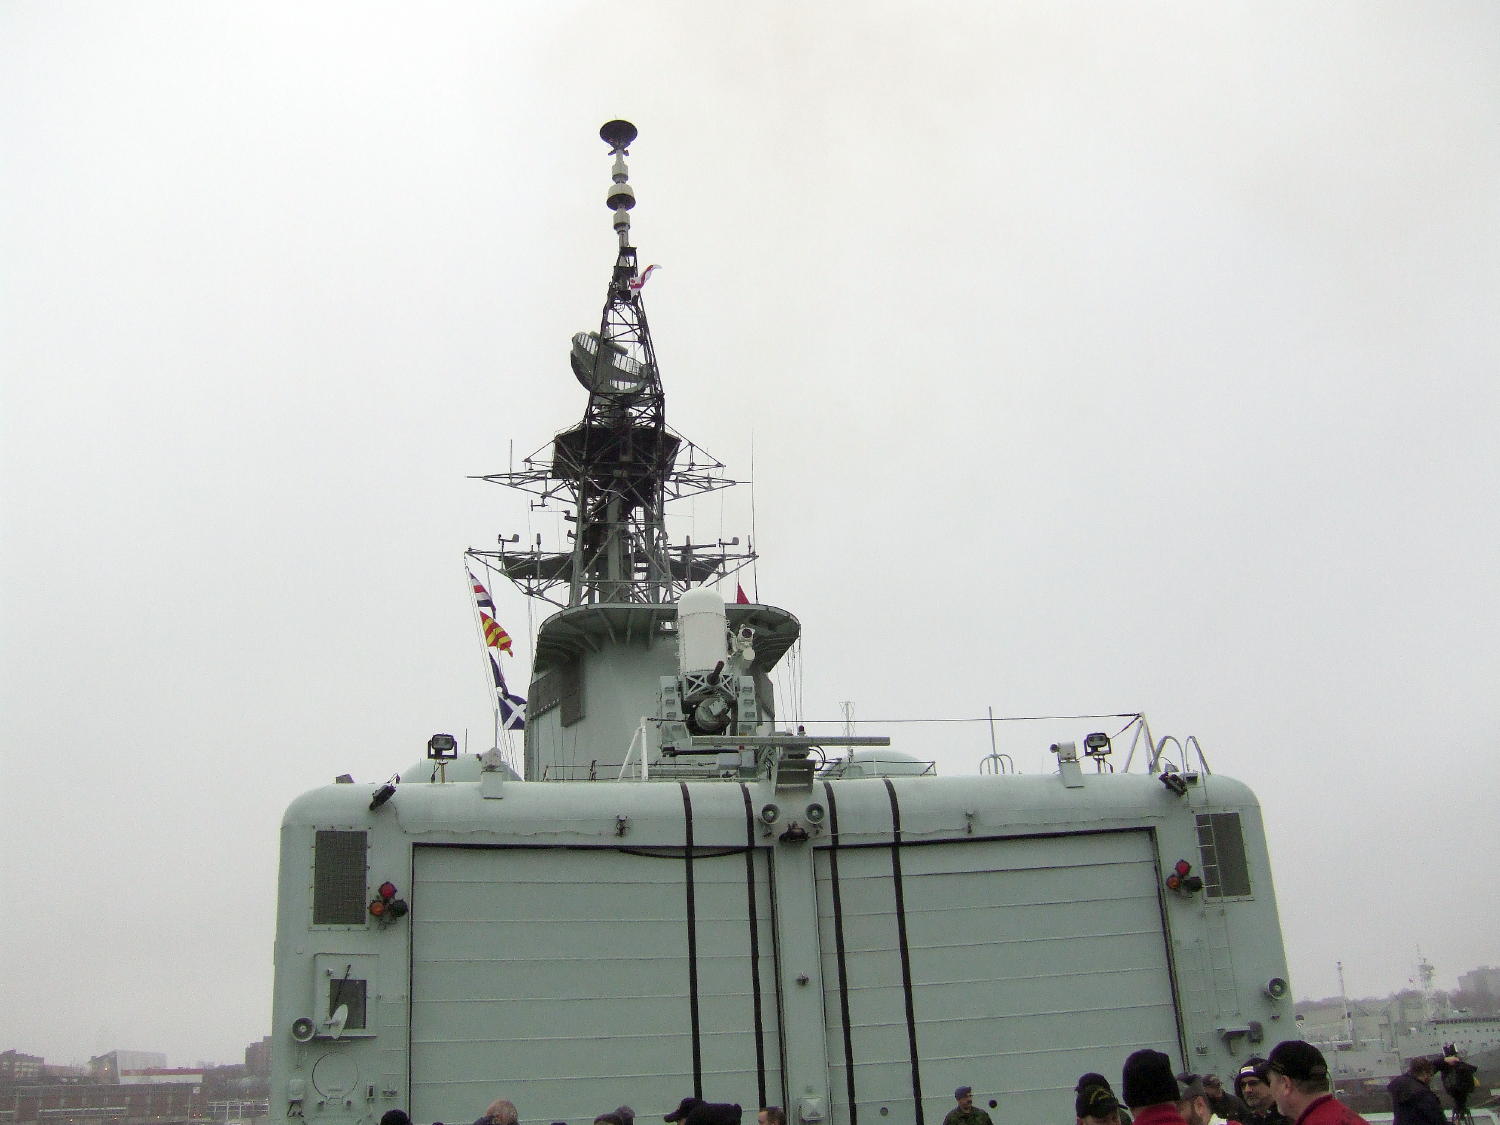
(494, 635)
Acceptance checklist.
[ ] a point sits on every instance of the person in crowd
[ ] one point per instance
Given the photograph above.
(395, 1117)
(696, 1111)
(1094, 1103)
(1413, 1101)
(1458, 1079)
(1250, 1087)
(964, 1112)
(1150, 1089)
(611, 1118)
(500, 1112)
(771, 1115)
(1193, 1105)
(1297, 1074)
(1226, 1106)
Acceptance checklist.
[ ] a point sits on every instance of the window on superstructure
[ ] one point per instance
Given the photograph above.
(339, 878)
(1221, 852)
(342, 990)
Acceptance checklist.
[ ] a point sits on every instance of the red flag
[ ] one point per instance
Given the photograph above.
(739, 595)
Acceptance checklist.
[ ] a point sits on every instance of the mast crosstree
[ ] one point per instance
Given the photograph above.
(617, 469)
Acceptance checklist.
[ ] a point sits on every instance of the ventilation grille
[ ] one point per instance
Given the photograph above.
(1221, 848)
(339, 878)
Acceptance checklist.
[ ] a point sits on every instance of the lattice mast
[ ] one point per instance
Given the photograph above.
(617, 469)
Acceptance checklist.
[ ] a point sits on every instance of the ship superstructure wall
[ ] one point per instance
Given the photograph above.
(577, 946)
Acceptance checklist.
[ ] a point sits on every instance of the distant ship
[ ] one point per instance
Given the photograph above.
(1371, 1052)
(680, 892)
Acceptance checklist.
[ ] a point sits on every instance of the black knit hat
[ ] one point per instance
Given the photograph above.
(1148, 1080)
(1093, 1097)
(1298, 1060)
(1255, 1067)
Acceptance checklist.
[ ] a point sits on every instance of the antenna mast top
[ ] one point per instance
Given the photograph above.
(617, 469)
(618, 135)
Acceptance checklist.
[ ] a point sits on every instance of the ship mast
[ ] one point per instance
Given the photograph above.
(618, 468)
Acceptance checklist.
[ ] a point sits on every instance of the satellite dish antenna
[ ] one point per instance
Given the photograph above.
(335, 1024)
(617, 135)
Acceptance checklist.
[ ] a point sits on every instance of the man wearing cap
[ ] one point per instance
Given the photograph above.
(1194, 1103)
(1250, 1086)
(1298, 1076)
(1150, 1089)
(1226, 1106)
(1094, 1103)
(964, 1112)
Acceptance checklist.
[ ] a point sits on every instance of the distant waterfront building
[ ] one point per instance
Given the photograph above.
(16, 1067)
(112, 1103)
(258, 1058)
(162, 1075)
(1484, 980)
(109, 1066)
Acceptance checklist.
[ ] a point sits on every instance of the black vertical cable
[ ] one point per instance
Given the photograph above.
(838, 941)
(760, 1039)
(911, 1013)
(692, 936)
(776, 974)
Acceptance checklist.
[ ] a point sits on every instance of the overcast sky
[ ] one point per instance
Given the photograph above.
(1094, 357)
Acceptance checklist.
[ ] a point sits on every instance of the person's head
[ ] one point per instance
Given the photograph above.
(502, 1112)
(685, 1107)
(1094, 1103)
(1250, 1084)
(609, 1119)
(771, 1115)
(1148, 1080)
(964, 1096)
(1213, 1087)
(395, 1117)
(1297, 1074)
(1194, 1100)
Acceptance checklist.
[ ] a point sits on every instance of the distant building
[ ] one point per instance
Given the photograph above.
(258, 1058)
(108, 1067)
(16, 1067)
(1483, 981)
(92, 1104)
(162, 1075)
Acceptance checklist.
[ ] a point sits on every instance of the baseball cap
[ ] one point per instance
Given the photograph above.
(1298, 1060)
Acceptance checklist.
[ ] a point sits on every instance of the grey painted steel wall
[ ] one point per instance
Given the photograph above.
(1033, 960)
(561, 977)
(543, 961)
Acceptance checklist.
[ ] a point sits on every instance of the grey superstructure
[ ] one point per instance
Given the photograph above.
(683, 897)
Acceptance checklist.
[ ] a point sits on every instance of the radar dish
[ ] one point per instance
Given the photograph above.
(617, 135)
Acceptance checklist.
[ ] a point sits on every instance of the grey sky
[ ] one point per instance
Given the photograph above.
(1094, 358)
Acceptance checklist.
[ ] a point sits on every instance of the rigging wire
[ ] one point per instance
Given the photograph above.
(1133, 716)
(754, 562)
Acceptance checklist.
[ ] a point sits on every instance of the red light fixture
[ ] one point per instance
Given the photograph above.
(1182, 880)
(386, 907)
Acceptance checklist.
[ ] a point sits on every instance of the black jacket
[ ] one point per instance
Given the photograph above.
(1413, 1102)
